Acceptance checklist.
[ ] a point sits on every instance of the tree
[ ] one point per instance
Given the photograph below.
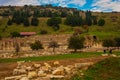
(54, 21)
(88, 19)
(26, 22)
(0, 37)
(34, 21)
(74, 20)
(9, 22)
(108, 42)
(36, 46)
(15, 34)
(53, 44)
(117, 41)
(101, 22)
(94, 18)
(17, 47)
(76, 42)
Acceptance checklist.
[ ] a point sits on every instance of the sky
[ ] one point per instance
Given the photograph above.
(93, 5)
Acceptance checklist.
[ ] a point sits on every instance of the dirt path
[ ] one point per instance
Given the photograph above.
(7, 68)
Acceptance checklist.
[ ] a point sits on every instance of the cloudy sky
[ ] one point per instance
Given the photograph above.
(94, 5)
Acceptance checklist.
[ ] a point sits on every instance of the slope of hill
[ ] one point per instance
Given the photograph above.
(108, 69)
(110, 29)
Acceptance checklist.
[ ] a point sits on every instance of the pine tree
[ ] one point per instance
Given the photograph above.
(34, 21)
(26, 22)
(9, 22)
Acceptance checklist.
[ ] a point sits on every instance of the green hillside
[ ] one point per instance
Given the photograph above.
(110, 29)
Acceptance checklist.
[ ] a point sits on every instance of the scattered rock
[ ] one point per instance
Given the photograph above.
(41, 74)
(24, 78)
(32, 74)
(15, 77)
(59, 71)
(56, 77)
(37, 65)
(104, 54)
(56, 63)
(113, 55)
(19, 71)
(81, 65)
(47, 65)
(29, 68)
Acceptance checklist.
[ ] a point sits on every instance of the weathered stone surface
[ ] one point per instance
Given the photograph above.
(67, 70)
(41, 74)
(59, 71)
(37, 65)
(56, 63)
(81, 65)
(19, 71)
(24, 78)
(104, 54)
(47, 65)
(15, 77)
(56, 77)
(32, 74)
(113, 55)
(29, 68)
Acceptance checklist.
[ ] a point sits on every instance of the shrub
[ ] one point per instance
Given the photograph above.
(101, 22)
(76, 42)
(15, 34)
(54, 21)
(108, 42)
(78, 30)
(36, 46)
(43, 32)
(117, 41)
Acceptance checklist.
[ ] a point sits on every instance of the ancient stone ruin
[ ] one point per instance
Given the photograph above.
(37, 71)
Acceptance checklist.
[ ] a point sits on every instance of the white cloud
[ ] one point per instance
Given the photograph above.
(78, 2)
(106, 5)
(21, 2)
(63, 3)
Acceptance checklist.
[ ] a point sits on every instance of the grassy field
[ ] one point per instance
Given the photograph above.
(108, 69)
(57, 57)
(54, 57)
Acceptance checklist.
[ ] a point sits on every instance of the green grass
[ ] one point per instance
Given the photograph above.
(54, 57)
(108, 69)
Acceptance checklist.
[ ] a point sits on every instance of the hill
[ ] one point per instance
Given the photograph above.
(110, 29)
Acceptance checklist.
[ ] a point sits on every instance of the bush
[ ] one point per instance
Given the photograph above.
(117, 41)
(36, 46)
(15, 34)
(76, 42)
(34, 21)
(9, 22)
(54, 21)
(108, 42)
(101, 22)
(43, 32)
(78, 30)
